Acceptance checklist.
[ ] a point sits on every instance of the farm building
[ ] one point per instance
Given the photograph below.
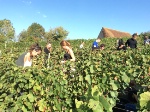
(106, 32)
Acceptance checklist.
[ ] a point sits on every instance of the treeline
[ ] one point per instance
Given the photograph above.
(34, 32)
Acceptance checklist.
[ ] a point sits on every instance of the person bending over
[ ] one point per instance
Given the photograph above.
(26, 58)
(121, 45)
(95, 44)
(69, 55)
(101, 47)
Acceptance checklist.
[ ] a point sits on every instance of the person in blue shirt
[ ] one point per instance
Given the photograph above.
(95, 43)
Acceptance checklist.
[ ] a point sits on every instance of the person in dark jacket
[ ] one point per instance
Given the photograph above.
(132, 43)
(121, 45)
(102, 46)
(47, 50)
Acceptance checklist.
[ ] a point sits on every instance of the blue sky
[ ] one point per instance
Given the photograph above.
(82, 18)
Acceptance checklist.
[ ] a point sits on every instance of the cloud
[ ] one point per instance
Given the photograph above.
(27, 2)
(44, 16)
(38, 12)
(21, 16)
(41, 14)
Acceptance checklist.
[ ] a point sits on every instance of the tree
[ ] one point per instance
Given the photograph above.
(145, 34)
(2, 38)
(58, 33)
(49, 35)
(7, 30)
(36, 31)
(23, 35)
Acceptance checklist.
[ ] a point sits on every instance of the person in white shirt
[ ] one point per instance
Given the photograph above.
(146, 40)
(81, 45)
